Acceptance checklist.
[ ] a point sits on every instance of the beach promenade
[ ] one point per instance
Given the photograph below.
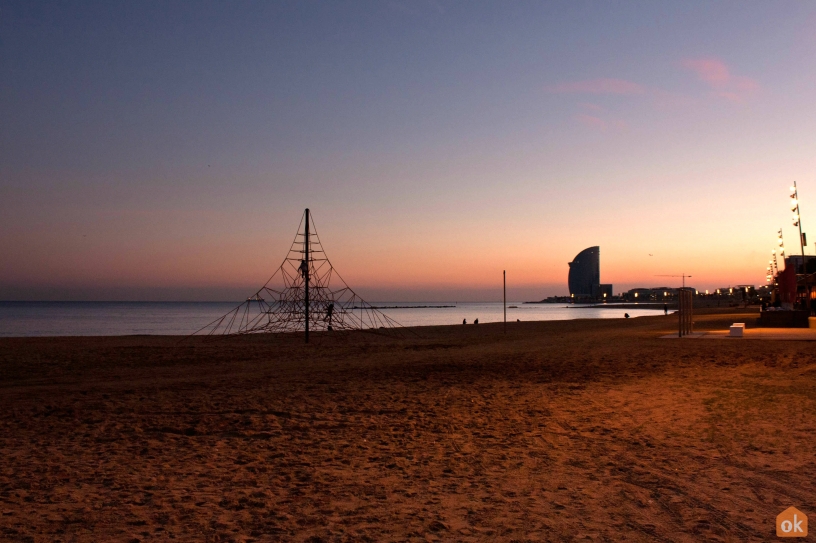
(586, 429)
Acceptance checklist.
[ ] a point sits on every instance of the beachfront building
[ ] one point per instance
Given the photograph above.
(805, 279)
(653, 294)
(639, 294)
(584, 277)
(795, 261)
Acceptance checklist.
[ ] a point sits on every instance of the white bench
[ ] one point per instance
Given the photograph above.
(737, 329)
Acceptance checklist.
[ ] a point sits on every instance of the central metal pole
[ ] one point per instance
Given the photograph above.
(306, 276)
(504, 278)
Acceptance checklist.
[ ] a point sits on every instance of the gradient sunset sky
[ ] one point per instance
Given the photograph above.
(166, 150)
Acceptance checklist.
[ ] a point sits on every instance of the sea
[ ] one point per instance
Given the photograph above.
(28, 319)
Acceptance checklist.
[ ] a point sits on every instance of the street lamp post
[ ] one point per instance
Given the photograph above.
(781, 245)
(782, 255)
(797, 221)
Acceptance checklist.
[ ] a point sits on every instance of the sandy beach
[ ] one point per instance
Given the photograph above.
(567, 430)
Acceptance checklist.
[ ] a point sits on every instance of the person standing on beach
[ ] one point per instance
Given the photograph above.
(665, 309)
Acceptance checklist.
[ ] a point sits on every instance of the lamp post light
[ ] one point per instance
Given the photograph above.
(781, 253)
(797, 221)
(781, 245)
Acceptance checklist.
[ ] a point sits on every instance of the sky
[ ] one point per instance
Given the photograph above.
(167, 150)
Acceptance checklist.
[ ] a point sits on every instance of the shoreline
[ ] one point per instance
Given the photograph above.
(318, 333)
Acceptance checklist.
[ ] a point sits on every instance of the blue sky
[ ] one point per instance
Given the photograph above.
(167, 150)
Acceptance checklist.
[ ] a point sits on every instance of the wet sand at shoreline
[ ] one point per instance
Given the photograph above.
(560, 430)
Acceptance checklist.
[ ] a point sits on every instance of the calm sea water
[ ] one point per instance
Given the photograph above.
(180, 318)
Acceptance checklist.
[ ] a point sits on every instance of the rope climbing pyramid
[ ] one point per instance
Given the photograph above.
(305, 294)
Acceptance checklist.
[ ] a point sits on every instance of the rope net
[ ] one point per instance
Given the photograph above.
(280, 305)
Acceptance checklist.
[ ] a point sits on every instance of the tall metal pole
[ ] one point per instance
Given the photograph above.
(802, 245)
(306, 276)
(504, 278)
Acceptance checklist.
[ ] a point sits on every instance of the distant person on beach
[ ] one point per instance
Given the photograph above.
(476, 321)
(464, 321)
(665, 309)
(626, 315)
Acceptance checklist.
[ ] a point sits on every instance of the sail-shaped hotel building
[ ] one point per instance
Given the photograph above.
(585, 275)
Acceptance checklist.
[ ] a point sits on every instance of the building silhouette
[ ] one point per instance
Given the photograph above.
(584, 278)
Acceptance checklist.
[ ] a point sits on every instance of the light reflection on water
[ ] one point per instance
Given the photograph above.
(180, 318)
